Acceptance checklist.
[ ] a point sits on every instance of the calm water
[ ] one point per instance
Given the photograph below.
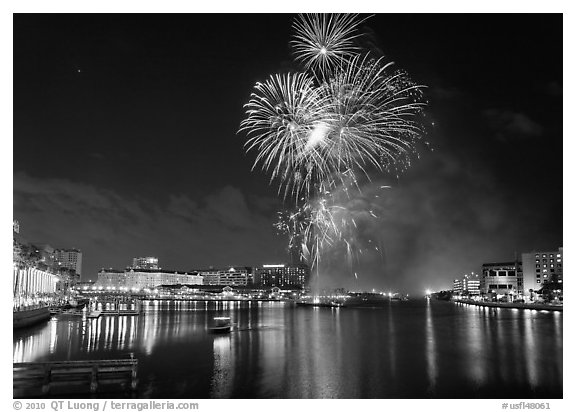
(405, 350)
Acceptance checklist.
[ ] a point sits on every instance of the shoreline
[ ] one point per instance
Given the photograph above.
(506, 305)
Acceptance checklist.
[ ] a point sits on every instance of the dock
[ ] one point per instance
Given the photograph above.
(40, 379)
(95, 314)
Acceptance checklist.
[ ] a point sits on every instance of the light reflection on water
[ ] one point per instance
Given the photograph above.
(415, 349)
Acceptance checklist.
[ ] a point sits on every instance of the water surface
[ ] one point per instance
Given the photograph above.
(414, 349)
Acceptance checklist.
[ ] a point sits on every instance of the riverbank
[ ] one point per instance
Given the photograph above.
(509, 305)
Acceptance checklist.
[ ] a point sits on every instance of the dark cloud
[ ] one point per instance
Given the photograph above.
(509, 124)
(110, 229)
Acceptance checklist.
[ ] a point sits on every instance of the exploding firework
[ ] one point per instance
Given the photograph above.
(319, 132)
(322, 42)
(311, 137)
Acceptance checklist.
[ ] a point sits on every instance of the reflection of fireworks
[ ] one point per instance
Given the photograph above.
(317, 132)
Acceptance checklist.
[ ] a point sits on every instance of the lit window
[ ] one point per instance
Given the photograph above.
(558, 255)
(537, 260)
(538, 281)
(545, 266)
(537, 255)
(544, 270)
(551, 255)
(558, 260)
(545, 276)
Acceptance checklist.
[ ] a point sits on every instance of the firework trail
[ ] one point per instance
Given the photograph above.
(319, 132)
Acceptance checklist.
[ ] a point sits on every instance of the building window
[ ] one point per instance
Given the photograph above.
(537, 266)
(545, 266)
(551, 255)
(537, 256)
(558, 260)
(544, 260)
(537, 260)
(544, 270)
(559, 265)
(545, 276)
(537, 270)
(558, 255)
(537, 276)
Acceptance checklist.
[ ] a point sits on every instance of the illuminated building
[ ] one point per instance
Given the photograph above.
(145, 263)
(69, 258)
(232, 276)
(235, 276)
(138, 279)
(504, 278)
(541, 268)
(282, 275)
(467, 285)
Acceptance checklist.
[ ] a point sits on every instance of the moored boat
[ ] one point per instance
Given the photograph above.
(221, 325)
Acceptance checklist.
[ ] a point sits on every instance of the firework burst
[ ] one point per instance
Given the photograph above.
(323, 42)
(319, 132)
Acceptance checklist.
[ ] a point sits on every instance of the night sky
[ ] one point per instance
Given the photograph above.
(125, 142)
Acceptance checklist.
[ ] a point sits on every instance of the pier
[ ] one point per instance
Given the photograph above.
(33, 379)
(510, 305)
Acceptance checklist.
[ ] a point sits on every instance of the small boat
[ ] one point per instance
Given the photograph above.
(221, 325)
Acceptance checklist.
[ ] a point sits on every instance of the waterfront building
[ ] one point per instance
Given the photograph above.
(210, 276)
(231, 276)
(148, 262)
(457, 287)
(138, 279)
(69, 258)
(235, 276)
(468, 285)
(504, 279)
(282, 275)
(542, 267)
(32, 285)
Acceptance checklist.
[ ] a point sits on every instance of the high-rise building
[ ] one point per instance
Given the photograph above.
(148, 262)
(69, 258)
(541, 268)
(282, 275)
(505, 278)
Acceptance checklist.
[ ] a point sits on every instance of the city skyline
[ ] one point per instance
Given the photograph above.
(133, 122)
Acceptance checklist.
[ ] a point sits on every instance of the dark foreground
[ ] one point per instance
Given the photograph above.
(414, 349)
